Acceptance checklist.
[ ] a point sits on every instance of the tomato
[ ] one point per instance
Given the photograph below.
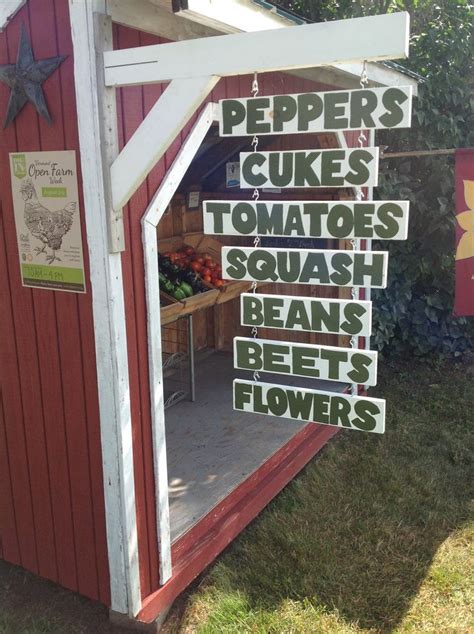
(189, 251)
(219, 283)
(207, 278)
(200, 260)
(209, 263)
(205, 271)
(196, 266)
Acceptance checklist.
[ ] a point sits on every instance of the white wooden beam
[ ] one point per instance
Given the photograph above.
(97, 127)
(9, 8)
(156, 133)
(150, 18)
(150, 220)
(342, 41)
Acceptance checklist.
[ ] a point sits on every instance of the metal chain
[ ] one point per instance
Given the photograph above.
(255, 196)
(364, 80)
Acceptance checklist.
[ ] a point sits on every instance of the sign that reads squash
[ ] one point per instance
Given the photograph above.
(307, 360)
(300, 266)
(307, 314)
(383, 220)
(369, 108)
(328, 408)
(310, 168)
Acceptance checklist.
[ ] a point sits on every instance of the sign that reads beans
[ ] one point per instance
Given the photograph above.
(306, 314)
(369, 108)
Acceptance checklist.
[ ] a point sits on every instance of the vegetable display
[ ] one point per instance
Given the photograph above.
(185, 273)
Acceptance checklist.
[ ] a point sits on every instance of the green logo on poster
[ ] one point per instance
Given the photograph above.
(19, 165)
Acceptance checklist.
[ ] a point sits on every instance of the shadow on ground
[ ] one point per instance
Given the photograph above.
(356, 532)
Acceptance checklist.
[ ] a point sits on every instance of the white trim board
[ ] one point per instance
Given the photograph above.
(150, 220)
(8, 9)
(373, 38)
(98, 138)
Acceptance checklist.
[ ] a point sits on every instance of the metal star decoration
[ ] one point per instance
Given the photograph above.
(25, 79)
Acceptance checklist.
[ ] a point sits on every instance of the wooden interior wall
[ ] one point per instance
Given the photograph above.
(52, 518)
(133, 104)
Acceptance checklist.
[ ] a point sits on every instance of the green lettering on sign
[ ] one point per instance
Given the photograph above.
(310, 168)
(300, 266)
(312, 406)
(368, 108)
(298, 359)
(54, 192)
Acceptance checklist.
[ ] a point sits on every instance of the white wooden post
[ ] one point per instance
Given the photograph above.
(97, 135)
(150, 220)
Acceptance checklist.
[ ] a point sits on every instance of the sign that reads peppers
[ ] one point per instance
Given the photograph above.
(369, 108)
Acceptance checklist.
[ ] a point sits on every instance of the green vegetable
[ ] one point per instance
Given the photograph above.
(187, 288)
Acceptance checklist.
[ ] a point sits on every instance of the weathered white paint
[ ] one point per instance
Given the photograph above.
(303, 359)
(150, 220)
(97, 134)
(9, 8)
(342, 41)
(150, 18)
(233, 16)
(156, 133)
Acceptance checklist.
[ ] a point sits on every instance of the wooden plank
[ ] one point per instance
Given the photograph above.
(155, 134)
(373, 38)
(109, 318)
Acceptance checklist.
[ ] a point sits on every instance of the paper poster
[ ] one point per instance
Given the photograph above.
(232, 174)
(47, 219)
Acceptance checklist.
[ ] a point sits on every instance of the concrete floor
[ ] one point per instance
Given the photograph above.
(212, 448)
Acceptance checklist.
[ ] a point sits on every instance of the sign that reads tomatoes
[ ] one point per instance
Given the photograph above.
(328, 408)
(310, 168)
(300, 266)
(369, 108)
(307, 314)
(383, 220)
(307, 360)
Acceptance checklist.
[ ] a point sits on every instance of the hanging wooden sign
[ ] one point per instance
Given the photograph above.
(328, 408)
(306, 314)
(382, 220)
(300, 359)
(310, 168)
(300, 266)
(369, 108)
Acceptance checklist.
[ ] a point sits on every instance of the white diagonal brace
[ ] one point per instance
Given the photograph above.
(372, 38)
(156, 133)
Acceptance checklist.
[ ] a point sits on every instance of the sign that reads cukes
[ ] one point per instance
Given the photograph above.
(313, 406)
(383, 220)
(310, 168)
(306, 314)
(299, 359)
(369, 108)
(300, 266)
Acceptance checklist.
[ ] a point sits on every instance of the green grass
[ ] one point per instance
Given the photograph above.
(374, 536)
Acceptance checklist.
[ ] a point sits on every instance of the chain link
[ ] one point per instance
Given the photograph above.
(255, 196)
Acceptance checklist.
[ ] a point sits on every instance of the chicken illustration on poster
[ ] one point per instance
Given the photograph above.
(47, 219)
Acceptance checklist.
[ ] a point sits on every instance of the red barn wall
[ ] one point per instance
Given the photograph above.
(52, 519)
(133, 105)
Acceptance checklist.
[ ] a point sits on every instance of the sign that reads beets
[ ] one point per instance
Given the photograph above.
(328, 408)
(300, 359)
(310, 168)
(382, 220)
(300, 266)
(361, 109)
(306, 314)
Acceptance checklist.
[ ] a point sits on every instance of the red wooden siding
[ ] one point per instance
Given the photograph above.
(133, 104)
(52, 519)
